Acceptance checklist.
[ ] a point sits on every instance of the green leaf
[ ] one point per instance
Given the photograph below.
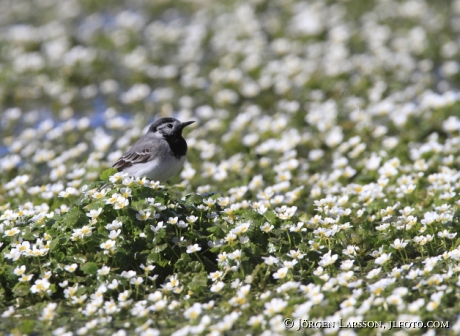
(215, 229)
(188, 265)
(139, 205)
(71, 218)
(107, 173)
(80, 279)
(59, 256)
(198, 281)
(155, 257)
(457, 243)
(95, 205)
(175, 189)
(159, 248)
(303, 217)
(162, 263)
(123, 219)
(28, 236)
(27, 327)
(270, 217)
(194, 199)
(58, 242)
(21, 289)
(90, 268)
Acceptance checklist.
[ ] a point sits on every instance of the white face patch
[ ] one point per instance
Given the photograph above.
(158, 135)
(164, 129)
(157, 170)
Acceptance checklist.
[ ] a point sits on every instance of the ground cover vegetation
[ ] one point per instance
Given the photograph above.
(322, 177)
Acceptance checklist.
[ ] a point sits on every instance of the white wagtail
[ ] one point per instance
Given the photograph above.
(159, 154)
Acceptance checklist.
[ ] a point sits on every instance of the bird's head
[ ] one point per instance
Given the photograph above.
(166, 127)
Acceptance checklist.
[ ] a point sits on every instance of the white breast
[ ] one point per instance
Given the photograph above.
(157, 170)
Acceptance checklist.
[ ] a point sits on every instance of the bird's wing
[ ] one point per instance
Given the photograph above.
(139, 153)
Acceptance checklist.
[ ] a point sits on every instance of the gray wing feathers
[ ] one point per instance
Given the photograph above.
(143, 150)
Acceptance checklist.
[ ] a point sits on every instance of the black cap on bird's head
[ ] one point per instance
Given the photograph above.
(169, 126)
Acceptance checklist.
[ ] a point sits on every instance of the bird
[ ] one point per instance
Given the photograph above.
(159, 154)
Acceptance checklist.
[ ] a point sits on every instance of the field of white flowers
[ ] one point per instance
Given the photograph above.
(322, 185)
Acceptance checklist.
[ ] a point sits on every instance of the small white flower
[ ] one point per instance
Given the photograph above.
(71, 268)
(143, 215)
(193, 312)
(136, 281)
(193, 248)
(40, 286)
(217, 287)
(104, 270)
(383, 258)
(20, 270)
(108, 245)
(281, 273)
(114, 234)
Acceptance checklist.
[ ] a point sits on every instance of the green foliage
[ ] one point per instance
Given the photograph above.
(321, 180)
(107, 173)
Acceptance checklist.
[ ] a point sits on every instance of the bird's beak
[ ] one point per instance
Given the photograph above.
(184, 124)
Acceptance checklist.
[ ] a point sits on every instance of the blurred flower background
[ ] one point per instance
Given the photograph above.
(329, 131)
(81, 82)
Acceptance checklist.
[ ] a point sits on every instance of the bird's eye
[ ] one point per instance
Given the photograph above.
(169, 125)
